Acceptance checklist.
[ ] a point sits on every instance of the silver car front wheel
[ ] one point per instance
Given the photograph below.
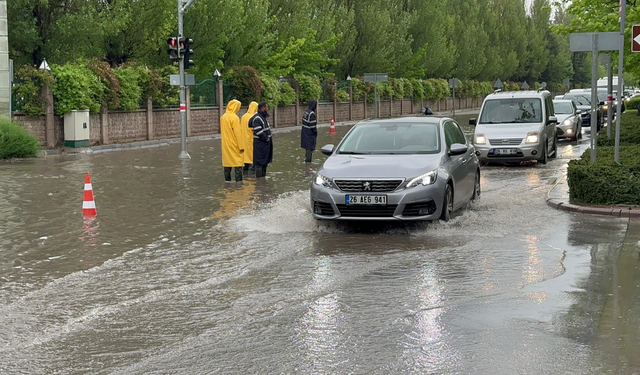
(447, 204)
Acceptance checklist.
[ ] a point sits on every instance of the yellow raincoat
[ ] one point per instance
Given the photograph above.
(248, 137)
(232, 135)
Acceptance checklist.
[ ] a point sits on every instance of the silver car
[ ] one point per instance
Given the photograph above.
(569, 119)
(410, 168)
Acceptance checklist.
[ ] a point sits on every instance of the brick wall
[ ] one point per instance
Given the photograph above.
(133, 126)
(206, 120)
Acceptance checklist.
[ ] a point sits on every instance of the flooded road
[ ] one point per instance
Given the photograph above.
(180, 273)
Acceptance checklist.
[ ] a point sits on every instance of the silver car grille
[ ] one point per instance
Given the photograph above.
(505, 141)
(368, 185)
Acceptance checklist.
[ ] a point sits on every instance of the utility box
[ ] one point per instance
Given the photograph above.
(76, 129)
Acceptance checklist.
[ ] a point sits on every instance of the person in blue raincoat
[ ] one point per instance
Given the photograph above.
(309, 130)
(262, 142)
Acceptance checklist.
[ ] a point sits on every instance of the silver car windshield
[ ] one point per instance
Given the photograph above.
(392, 138)
(563, 108)
(511, 110)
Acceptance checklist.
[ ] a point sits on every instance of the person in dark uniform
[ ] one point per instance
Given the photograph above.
(262, 143)
(309, 130)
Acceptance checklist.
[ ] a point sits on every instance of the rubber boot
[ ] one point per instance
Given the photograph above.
(238, 174)
(245, 170)
(259, 171)
(308, 156)
(227, 174)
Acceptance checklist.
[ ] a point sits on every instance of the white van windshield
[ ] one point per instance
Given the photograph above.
(511, 110)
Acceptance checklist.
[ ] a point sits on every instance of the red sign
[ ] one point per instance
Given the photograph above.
(635, 38)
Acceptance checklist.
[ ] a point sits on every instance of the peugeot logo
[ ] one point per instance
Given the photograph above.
(366, 186)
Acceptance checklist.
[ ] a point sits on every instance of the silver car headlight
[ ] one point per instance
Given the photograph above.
(567, 122)
(425, 179)
(324, 181)
(532, 137)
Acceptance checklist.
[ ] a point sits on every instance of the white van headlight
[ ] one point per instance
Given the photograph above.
(532, 137)
(481, 139)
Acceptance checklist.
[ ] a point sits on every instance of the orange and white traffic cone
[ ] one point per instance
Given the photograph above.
(88, 204)
(332, 129)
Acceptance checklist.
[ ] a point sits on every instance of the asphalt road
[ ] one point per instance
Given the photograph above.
(180, 273)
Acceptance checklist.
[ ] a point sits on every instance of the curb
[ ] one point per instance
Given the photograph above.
(614, 210)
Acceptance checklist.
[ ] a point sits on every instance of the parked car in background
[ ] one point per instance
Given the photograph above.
(516, 126)
(410, 168)
(569, 119)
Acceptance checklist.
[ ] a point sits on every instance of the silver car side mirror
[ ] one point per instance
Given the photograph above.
(458, 149)
(327, 149)
(553, 119)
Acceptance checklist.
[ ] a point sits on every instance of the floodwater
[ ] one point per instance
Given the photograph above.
(180, 273)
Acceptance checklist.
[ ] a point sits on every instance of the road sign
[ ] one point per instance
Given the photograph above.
(498, 84)
(376, 77)
(635, 38)
(453, 83)
(565, 82)
(189, 79)
(583, 42)
(525, 85)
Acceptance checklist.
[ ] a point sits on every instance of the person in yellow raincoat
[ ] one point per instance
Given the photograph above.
(248, 139)
(233, 141)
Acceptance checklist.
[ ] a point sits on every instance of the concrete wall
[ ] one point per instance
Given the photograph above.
(145, 124)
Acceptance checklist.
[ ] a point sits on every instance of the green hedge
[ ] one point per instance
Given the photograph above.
(15, 141)
(629, 131)
(606, 182)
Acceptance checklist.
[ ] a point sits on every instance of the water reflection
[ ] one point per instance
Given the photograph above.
(319, 327)
(430, 351)
(532, 271)
(90, 233)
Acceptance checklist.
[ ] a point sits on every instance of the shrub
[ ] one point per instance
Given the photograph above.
(167, 95)
(397, 88)
(408, 87)
(633, 102)
(605, 181)
(76, 87)
(130, 90)
(343, 95)
(247, 83)
(276, 93)
(418, 89)
(15, 141)
(149, 80)
(26, 90)
(310, 87)
(629, 131)
(287, 94)
(112, 90)
(329, 90)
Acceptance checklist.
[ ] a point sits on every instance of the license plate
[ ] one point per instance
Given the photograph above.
(505, 151)
(365, 199)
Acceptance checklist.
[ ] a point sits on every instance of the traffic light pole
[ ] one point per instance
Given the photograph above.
(183, 96)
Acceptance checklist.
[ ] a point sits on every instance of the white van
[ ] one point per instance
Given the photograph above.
(516, 126)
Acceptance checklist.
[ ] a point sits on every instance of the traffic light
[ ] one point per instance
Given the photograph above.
(174, 51)
(185, 46)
